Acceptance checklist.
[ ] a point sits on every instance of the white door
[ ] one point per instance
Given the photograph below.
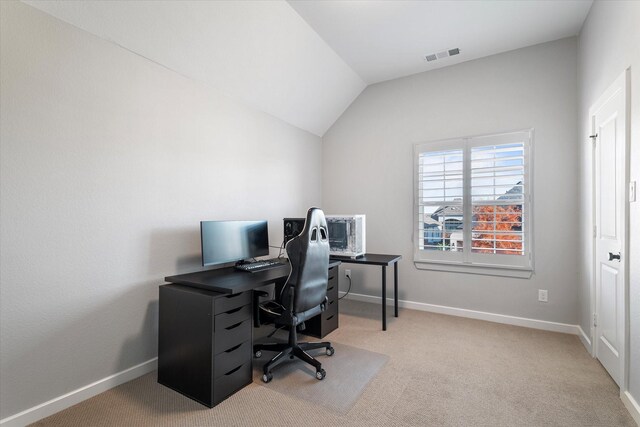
(610, 136)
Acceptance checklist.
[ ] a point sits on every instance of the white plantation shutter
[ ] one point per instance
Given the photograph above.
(472, 201)
(439, 200)
(497, 198)
(440, 184)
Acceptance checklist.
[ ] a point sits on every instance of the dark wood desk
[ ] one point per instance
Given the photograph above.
(384, 261)
(205, 329)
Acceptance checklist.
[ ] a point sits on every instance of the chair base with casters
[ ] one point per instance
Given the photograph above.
(290, 350)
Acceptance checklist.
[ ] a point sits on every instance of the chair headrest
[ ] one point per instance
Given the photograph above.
(315, 225)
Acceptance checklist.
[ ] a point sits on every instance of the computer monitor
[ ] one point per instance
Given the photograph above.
(229, 241)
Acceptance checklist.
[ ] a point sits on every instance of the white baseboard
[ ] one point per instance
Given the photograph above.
(586, 340)
(632, 406)
(473, 314)
(65, 401)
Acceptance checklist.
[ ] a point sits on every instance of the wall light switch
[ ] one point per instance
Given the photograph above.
(632, 191)
(543, 295)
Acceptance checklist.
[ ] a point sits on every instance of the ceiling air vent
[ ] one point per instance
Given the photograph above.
(444, 54)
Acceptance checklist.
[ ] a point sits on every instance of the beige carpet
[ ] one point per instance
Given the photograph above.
(442, 371)
(349, 371)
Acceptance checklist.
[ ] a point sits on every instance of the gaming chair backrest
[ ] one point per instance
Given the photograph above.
(309, 257)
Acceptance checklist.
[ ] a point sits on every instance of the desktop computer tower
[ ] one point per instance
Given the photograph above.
(292, 227)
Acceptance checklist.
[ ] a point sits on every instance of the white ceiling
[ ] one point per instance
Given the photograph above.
(306, 61)
(261, 52)
(383, 40)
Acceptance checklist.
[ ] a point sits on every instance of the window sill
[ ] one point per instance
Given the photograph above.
(487, 270)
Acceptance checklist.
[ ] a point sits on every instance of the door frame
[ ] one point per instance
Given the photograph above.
(622, 83)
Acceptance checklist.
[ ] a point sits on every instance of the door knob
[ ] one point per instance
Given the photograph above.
(613, 256)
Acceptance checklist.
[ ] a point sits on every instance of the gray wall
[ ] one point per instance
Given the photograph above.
(609, 43)
(368, 168)
(108, 163)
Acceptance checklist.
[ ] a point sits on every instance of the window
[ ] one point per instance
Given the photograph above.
(473, 204)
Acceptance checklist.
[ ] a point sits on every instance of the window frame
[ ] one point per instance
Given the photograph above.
(468, 261)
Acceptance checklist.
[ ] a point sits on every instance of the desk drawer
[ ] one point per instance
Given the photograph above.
(231, 358)
(332, 286)
(231, 381)
(230, 302)
(323, 323)
(332, 291)
(232, 335)
(230, 317)
(332, 307)
(333, 273)
(329, 322)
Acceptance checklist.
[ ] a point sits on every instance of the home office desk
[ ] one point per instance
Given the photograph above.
(205, 338)
(384, 261)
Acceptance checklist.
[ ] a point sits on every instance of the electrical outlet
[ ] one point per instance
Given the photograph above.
(347, 273)
(543, 295)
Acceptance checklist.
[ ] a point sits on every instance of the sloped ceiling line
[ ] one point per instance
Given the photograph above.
(260, 52)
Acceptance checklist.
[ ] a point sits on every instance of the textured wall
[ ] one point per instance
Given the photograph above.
(108, 163)
(609, 43)
(368, 168)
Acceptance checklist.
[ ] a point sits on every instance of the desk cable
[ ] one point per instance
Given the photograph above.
(280, 249)
(348, 289)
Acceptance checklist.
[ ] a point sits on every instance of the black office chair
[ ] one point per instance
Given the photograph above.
(303, 296)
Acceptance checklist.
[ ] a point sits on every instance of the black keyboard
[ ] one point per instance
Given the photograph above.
(254, 267)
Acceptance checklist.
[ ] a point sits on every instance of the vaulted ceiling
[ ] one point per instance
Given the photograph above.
(306, 61)
(383, 40)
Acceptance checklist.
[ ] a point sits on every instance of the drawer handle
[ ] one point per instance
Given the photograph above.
(233, 370)
(331, 302)
(330, 317)
(233, 311)
(330, 288)
(234, 295)
(228, 328)
(233, 349)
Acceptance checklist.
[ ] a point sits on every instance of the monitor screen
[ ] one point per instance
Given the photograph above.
(229, 241)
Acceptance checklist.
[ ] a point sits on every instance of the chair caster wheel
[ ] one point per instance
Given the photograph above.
(258, 354)
(330, 351)
(321, 374)
(268, 377)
